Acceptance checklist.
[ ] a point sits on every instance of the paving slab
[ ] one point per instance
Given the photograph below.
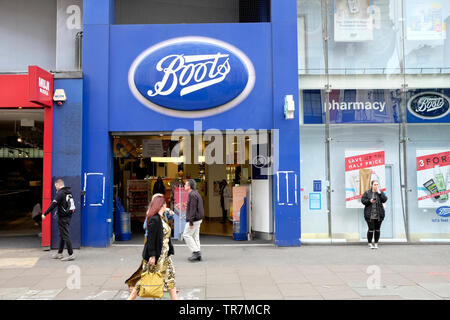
(258, 292)
(77, 294)
(289, 290)
(12, 263)
(48, 294)
(288, 277)
(194, 294)
(50, 283)
(225, 278)
(103, 295)
(389, 279)
(252, 280)
(327, 279)
(22, 281)
(416, 293)
(318, 297)
(337, 292)
(223, 291)
(441, 289)
(191, 281)
(12, 293)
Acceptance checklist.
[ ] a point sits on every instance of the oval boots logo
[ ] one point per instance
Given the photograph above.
(443, 211)
(429, 105)
(191, 77)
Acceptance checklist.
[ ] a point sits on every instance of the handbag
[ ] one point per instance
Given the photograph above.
(151, 285)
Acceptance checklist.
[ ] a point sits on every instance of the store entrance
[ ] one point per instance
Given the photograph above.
(21, 172)
(145, 164)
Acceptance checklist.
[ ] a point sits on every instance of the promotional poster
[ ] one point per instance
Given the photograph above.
(433, 175)
(352, 20)
(425, 20)
(361, 167)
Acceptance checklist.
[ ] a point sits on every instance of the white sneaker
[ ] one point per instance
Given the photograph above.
(375, 246)
(371, 246)
(69, 258)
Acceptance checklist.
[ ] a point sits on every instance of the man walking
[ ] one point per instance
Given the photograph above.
(66, 207)
(194, 216)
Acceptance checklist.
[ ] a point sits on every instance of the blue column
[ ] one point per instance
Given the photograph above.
(286, 186)
(67, 151)
(97, 170)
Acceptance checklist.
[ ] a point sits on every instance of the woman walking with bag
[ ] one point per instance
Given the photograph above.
(158, 248)
(373, 200)
(131, 281)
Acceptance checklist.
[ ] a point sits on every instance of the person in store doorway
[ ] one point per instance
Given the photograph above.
(194, 216)
(225, 199)
(373, 200)
(159, 187)
(175, 183)
(66, 207)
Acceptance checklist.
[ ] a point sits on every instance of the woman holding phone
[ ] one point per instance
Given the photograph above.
(373, 200)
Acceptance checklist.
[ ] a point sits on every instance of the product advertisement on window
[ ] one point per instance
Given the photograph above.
(433, 175)
(361, 167)
(352, 20)
(425, 20)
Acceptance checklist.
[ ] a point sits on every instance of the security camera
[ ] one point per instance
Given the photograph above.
(59, 97)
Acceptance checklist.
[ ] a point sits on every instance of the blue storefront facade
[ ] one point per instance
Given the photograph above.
(166, 77)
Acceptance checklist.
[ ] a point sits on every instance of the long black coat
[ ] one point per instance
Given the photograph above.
(382, 198)
(155, 235)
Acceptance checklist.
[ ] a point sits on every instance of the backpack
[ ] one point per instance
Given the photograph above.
(69, 206)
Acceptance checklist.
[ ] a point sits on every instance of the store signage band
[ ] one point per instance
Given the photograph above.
(191, 77)
(429, 105)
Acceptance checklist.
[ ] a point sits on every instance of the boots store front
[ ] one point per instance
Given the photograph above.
(191, 92)
(375, 98)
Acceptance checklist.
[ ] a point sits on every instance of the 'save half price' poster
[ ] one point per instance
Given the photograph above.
(361, 167)
(433, 175)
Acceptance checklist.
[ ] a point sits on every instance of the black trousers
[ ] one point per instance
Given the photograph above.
(64, 236)
(224, 214)
(374, 230)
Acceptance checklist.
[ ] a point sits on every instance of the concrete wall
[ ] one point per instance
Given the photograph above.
(27, 34)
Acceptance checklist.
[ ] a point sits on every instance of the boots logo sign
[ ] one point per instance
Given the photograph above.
(191, 77)
(429, 105)
(443, 211)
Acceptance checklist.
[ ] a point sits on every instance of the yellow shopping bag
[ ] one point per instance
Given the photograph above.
(151, 285)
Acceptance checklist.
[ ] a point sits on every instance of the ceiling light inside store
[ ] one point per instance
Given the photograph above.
(167, 159)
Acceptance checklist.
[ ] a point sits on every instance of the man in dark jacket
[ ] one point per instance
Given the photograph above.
(373, 200)
(194, 216)
(66, 206)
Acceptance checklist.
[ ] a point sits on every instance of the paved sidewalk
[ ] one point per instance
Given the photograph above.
(261, 271)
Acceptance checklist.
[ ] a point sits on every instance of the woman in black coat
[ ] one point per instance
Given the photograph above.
(159, 187)
(373, 200)
(158, 248)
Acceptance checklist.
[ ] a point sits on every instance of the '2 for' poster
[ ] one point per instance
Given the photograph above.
(433, 178)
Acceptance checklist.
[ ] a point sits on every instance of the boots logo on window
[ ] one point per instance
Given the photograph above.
(443, 211)
(191, 77)
(429, 105)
